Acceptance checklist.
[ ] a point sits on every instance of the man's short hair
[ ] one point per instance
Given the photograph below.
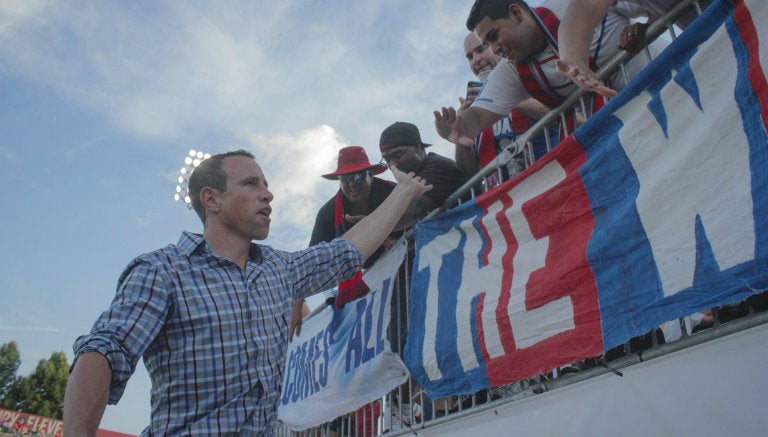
(493, 9)
(209, 174)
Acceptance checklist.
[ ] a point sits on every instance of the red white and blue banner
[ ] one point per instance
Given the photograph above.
(343, 359)
(658, 208)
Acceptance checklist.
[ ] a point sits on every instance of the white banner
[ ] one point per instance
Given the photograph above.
(343, 359)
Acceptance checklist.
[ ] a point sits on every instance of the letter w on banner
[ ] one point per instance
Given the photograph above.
(658, 208)
(343, 360)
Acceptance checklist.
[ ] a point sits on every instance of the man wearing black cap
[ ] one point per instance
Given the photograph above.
(401, 145)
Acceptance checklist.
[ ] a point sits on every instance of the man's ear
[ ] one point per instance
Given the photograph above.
(515, 12)
(209, 197)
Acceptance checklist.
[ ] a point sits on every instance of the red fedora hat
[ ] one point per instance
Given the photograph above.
(353, 159)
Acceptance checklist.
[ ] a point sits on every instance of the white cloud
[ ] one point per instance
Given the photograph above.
(292, 165)
(16, 13)
(181, 70)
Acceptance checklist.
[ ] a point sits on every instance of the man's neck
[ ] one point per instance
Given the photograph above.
(356, 208)
(228, 245)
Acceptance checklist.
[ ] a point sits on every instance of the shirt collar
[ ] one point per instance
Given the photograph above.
(190, 242)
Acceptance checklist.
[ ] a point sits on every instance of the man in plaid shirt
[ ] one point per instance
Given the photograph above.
(210, 314)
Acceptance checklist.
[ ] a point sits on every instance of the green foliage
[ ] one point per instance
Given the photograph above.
(42, 392)
(9, 364)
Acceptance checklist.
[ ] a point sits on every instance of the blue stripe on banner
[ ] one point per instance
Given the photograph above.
(632, 300)
(618, 243)
(448, 279)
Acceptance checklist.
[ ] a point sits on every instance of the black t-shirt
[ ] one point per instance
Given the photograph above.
(443, 174)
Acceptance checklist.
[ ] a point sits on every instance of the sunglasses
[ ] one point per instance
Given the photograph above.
(354, 177)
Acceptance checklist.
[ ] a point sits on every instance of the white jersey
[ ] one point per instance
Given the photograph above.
(658, 8)
(504, 90)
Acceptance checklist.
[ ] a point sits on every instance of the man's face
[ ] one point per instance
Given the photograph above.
(514, 38)
(244, 206)
(480, 57)
(406, 158)
(356, 187)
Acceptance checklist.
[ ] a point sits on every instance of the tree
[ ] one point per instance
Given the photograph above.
(42, 392)
(9, 364)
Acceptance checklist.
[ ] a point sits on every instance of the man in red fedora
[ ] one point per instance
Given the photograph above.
(359, 194)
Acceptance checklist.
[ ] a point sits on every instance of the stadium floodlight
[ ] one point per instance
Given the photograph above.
(194, 158)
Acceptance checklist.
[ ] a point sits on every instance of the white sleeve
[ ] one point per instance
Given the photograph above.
(629, 9)
(503, 91)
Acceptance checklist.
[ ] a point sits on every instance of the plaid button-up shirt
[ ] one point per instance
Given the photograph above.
(213, 338)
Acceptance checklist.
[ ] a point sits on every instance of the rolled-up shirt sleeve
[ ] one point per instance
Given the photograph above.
(126, 329)
(324, 265)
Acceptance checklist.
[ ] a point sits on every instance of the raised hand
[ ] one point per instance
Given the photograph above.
(632, 38)
(583, 77)
(444, 120)
(449, 125)
(297, 318)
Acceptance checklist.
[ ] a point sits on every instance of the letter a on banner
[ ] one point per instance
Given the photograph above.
(343, 359)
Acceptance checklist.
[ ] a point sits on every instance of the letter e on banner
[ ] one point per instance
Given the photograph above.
(547, 303)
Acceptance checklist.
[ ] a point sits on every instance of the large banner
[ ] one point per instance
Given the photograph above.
(343, 359)
(658, 208)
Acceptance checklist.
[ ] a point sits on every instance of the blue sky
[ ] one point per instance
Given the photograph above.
(100, 102)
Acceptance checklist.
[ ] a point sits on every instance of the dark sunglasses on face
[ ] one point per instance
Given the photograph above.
(353, 177)
(394, 156)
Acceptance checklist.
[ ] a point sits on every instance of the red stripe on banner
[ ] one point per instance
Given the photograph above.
(746, 26)
(504, 326)
(502, 319)
(480, 330)
(566, 273)
(487, 238)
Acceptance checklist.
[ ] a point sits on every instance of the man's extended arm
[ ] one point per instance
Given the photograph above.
(418, 209)
(467, 160)
(370, 232)
(465, 155)
(86, 396)
(574, 38)
(533, 109)
(462, 128)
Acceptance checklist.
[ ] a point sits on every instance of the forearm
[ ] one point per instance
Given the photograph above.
(581, 18)
(533, 108)
(474, 120)
(466, 160)
(86, 396)
(417, 210)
